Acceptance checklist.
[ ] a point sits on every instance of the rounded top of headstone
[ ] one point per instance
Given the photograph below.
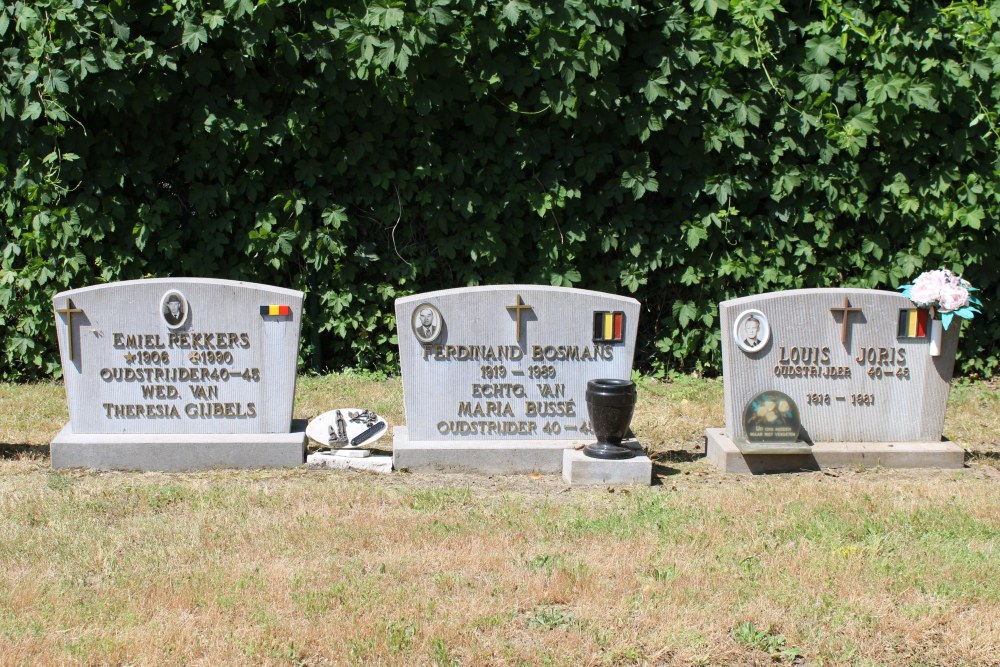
(743, 301)
(771, 416)
(180, 283)
(485, 289)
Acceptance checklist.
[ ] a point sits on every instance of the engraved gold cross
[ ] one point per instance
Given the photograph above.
(68, 310)
(517, 308)
(846, 311)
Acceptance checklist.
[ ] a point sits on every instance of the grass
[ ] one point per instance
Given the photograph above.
(296, 567)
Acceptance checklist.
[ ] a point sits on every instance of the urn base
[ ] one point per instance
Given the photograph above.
(605, 450)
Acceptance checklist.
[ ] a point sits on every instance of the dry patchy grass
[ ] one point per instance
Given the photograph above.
(334, 567)
(31, 414)
(298, 567)
(973, 420)
(318, 394)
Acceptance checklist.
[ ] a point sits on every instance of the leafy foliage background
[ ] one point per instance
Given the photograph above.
(681, 152)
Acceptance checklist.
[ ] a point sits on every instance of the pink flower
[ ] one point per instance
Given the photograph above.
(928, 286)
(954, 297)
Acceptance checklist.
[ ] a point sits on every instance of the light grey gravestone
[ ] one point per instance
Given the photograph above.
(179, 374)
(861, 375)
(495, 378)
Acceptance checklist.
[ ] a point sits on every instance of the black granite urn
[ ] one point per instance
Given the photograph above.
(610, 404)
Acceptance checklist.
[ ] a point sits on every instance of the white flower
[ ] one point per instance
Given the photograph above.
(953, 297)
(928, 286)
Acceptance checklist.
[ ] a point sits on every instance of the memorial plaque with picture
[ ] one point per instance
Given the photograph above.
(149, 361)
(771, 417)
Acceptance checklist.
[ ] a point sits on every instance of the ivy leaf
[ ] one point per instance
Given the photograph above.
(83, 64)
(821, 49)
(334, 216)
(403, 59)
(213, 20)
(32, 110)
(863, 121)
(439, 16)
(817, 81)
(284, 242)
(194, 36)
(121, 30)
(922, 95)
(114, 59)
(238, 8)
(870, 247)
(58, 81)
(981, 68)
(512, 11)
(685, 312)
(695, 235)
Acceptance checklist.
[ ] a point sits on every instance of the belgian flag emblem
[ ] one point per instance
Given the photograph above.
(609, 327)
(276, 311)
(914, 323)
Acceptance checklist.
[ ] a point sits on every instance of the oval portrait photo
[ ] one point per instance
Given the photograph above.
(427, 323)
(174, 308)
(751, 330)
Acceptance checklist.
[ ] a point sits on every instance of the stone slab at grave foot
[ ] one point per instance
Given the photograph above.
(495, 378)
(179, 374)
(726, 456)
(582, 470)
(833, 377)
(376, 462)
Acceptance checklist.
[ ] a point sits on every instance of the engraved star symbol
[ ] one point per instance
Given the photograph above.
(130, 357)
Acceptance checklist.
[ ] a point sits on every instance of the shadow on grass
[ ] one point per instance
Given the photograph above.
(8, 451)
(992, 458)
(678, 456)
(660, 471)
(661, 461)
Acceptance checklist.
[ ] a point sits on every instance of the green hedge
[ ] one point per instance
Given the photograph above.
(682, 152)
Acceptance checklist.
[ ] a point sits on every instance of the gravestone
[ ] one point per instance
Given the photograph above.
(179, 374)
(861, 377)
(495, 378)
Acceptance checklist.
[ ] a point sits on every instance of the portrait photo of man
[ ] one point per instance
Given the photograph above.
(426, 323)
(751, 331)
(174, 309)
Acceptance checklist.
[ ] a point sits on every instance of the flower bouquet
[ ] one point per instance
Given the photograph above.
(943, 292)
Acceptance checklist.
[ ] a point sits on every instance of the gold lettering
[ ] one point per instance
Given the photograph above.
(138, 410)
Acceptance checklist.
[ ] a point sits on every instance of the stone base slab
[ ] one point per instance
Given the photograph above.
(376, 463)
(770, 449)
(347, 453)
(487, 457)
(578, 469)
(179, 452)
(727, 457)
